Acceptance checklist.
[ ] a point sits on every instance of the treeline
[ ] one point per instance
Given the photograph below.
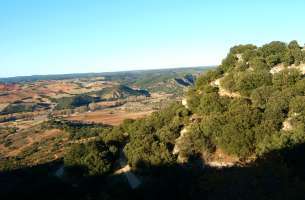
(90, 159)
(76, 130)
(75, 101)
(18, 108)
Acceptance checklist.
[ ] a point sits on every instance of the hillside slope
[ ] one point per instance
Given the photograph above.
(245, 105)
(120, 91)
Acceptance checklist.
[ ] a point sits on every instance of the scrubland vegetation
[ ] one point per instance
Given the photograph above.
(261, 126)
(252, 124)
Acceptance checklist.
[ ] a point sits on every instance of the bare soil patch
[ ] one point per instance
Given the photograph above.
(112, 117)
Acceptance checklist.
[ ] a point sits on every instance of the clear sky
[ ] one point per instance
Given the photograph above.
(71, 36)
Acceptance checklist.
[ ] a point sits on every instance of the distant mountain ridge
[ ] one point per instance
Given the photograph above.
(108, 75)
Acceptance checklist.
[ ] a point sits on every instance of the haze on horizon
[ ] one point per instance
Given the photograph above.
(65, 36)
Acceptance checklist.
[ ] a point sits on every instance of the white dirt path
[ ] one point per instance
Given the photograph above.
(133, 181)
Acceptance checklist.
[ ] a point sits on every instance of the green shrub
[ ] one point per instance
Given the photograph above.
(286, 78)
(91, 159)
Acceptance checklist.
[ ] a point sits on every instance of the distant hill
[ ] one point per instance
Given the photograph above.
(120, 92)
(109, 93)
(125, 76)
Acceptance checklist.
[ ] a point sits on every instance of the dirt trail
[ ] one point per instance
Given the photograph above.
(125, 169)
(179, 141)
(179, 145)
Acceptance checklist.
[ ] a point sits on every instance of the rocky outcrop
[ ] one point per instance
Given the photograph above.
(281, 67)
(287, 126)
(239, 57)
(186, 81)
(222, 91)
(184, 103)
(277, 69)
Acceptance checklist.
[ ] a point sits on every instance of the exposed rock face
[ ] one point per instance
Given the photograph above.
(239, 57)
(184, 103)
(281, 67)
(222, 91)
(287, 126)
(186, 81)
(277, 69)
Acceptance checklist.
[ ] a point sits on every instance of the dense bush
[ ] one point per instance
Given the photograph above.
(151, 140)
(286, 78)
(91, 159)
(74, 102)
(212, 102)
(78, 130)
(297, 105)
(207, 77)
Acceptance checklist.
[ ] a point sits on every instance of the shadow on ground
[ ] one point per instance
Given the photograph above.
(279, 175)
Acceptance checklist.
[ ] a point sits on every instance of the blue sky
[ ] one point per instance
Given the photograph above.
(71, 36)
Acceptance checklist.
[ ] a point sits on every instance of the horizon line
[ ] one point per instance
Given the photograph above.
(129, 70)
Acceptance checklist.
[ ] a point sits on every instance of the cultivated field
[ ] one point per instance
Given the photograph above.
(29, 104)
(111, 117)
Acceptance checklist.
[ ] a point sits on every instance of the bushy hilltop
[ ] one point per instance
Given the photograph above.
(253, 102)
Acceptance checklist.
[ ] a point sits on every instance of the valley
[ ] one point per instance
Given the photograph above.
(185, 133)
(27, 105)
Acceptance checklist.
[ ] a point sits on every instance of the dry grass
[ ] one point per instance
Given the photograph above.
(112, 117)
(23, 141)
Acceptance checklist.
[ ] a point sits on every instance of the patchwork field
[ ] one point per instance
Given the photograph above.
(87, 105)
